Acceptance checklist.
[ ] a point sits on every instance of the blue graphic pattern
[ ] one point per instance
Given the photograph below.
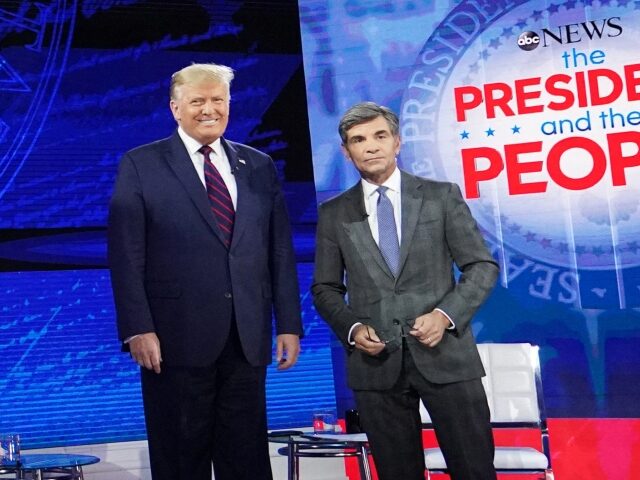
(64, 380)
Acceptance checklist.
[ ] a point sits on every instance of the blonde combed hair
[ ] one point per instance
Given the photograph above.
(198, 73)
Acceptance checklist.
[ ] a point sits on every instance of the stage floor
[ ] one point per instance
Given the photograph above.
(581, 449)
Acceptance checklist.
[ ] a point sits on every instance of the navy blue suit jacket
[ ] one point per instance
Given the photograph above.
(171, 273)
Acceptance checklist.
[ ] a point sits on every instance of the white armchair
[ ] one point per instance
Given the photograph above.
(514, 391)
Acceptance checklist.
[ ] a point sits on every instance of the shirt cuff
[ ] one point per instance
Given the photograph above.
(453, 325)
(349, 339)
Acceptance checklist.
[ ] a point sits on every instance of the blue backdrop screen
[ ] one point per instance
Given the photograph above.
(82, 82)
(530, 107)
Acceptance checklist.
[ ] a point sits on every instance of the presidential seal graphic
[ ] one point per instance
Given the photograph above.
(34, 42)
(533, 109)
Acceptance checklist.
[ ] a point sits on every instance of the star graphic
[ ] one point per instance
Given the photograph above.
(553, 9)
(530, 236)
(522, 23)
(507, 32)
(537, 15)
(495, 43)
(464, 135)
(515, 129)
(490, 131)
(545, 242)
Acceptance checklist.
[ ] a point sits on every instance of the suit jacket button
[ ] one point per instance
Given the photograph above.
(396, 321)
(227, 295)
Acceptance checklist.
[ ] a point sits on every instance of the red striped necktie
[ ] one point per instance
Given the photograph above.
(219, 198)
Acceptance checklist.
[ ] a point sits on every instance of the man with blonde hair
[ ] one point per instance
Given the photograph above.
(200, 254)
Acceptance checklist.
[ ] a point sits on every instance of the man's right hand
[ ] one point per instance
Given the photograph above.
(145, 350)
(367, 340)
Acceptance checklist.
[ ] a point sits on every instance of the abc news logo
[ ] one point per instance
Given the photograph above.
(571, 33)
(528, 40)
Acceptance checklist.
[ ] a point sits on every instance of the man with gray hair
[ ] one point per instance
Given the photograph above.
(389, 245)
(200, 254)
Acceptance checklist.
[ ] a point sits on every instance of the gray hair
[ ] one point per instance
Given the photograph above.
(364, 112)
(198, 73)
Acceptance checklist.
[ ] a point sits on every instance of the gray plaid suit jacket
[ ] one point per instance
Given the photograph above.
(352, 282)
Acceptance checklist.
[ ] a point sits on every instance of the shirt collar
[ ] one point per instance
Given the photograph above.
(193, 145)
(392, 183)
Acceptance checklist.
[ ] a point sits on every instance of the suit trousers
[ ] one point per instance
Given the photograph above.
(460, 415)
(196, 416)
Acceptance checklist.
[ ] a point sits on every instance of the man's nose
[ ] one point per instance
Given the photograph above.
(207, 108)
(372, 147)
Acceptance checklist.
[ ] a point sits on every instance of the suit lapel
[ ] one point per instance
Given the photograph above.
(357, 227)
(180, 162)
(240, 171)
(411, 206)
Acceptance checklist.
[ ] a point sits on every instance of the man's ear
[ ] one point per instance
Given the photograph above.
(174, 110)
(345, 152)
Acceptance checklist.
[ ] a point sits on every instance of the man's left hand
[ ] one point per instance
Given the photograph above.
(429, 328)
(287, 350)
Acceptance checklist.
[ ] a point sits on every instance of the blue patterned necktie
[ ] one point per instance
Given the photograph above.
(219, 198)
(387, 231)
